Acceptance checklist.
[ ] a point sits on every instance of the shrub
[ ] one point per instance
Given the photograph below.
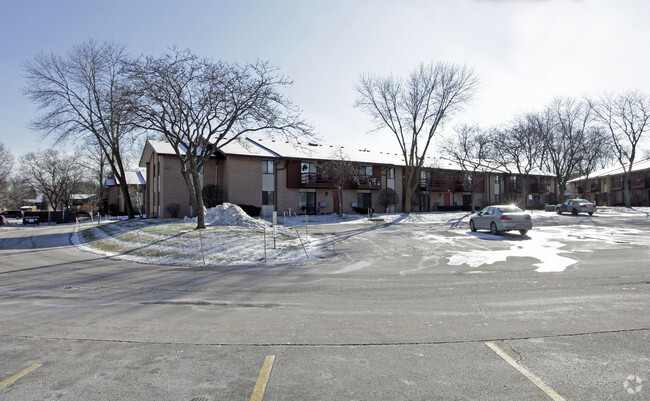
(251, 210)
(113, 210)
(362, 210)
(173, 209)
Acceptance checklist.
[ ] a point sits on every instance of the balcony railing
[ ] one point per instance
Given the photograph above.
(368, 182)
(637, 182)
(314, 180)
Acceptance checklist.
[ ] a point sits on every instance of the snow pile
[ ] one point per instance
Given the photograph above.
(228, 214)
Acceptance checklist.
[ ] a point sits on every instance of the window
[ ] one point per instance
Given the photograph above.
(267, 198)
(154, 170)
(267, 167)
(308, 172)
(390, 173)
(365, 170)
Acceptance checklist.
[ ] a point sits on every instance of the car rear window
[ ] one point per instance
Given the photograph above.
(510, 209)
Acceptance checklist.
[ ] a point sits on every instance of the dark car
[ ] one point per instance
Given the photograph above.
(12, 214)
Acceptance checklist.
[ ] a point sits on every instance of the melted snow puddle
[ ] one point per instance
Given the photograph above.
(541, 246)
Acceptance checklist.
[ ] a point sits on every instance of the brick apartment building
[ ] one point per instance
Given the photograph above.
(605, 187)
(286, 177)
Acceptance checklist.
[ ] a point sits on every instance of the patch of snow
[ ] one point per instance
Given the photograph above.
(228, 214)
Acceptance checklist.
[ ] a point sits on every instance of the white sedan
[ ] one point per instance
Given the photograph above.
(500, 218)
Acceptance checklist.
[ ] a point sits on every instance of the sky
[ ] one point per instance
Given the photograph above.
(524, 52)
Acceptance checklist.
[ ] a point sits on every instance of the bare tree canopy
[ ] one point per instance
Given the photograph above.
(562, 127)
(6, 163)
(200, 105)
(53, 174)
(414, 109)
(471, 148)
(83, 97)
(341, 170)
(625, 117)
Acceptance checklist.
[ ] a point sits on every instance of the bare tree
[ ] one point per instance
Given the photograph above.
(520, 148)
(6, 164)
(340, 170)
(563, 127)
(54, 175)
(414, 110)
(82, 96)
(200, 105)
(596, 153)
(18, 190)
(625, 117)
(470, 147)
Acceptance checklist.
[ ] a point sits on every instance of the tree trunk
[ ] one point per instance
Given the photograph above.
(120, 174)
(626, 189)
(197, 201)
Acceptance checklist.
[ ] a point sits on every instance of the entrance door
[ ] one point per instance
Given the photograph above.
(447, 199)
(308, 202)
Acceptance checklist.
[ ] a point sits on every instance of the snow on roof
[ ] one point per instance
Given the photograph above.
(315, 151)
(270, 148)
(81, 196)
(132, 178)
(616, 170)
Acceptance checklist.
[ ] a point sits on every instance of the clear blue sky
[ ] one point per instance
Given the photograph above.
(525, 52)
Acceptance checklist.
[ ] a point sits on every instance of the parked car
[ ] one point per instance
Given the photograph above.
(3, 220)
(500, 218)
(575, 206)
(12, 214)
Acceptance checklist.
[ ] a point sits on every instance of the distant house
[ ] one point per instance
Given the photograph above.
(289, 178)
(605, 187)
(84, 202)
(136, 183)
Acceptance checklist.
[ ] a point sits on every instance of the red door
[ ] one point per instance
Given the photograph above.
(447, 199)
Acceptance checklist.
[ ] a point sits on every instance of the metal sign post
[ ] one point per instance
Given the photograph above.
(275, 223)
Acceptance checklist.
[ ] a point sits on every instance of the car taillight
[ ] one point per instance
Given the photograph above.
(504, 217)
(527, 217)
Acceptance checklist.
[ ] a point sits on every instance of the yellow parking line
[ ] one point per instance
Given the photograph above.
(260, 386)
(551, 393)
(20, 374)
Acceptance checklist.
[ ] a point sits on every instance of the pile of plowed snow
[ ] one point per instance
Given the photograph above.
(228, 214)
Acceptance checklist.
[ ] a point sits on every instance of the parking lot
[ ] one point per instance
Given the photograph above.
(395, 311)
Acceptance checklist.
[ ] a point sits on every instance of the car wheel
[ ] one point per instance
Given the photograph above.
(523, 232)
(574, 212)
(493, 228)
(591, 213)
(472, 226)
(558, 211)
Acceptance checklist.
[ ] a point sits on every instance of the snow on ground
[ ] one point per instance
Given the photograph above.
(234, 238)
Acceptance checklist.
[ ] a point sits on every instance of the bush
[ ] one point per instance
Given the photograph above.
(362, 210)
(173, 209)
(251, 210)
(113, 210)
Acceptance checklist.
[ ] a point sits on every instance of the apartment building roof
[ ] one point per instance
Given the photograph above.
(269, 148)
(132, 178)
(615, 170)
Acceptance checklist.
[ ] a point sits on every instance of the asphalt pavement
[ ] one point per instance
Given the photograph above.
(385, 316)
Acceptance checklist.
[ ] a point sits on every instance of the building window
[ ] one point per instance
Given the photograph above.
(308, 172)
(154, 170)
(267, 167)
(365, 171)
(267, 198)
(390, 173)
